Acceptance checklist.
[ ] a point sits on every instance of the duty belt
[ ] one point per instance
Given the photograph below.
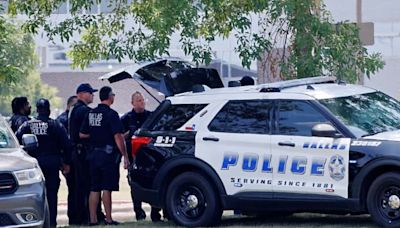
(107, 148)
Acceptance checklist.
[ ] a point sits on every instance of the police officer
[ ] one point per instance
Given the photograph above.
(63, 117)
(69, 177)
(104, 129)
(53, 151)
(21, 110)
(132, 121)
(79, 209)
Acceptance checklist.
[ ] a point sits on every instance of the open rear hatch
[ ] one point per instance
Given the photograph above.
(169, 76)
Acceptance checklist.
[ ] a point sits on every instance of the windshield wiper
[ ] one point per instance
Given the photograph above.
(377, 132)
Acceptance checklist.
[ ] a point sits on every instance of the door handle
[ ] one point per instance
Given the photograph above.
(287, 144)
(211, 139)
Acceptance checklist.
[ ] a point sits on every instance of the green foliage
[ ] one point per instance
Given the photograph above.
(18, 76)
(31, 87)
(314, 44)
(17, 52)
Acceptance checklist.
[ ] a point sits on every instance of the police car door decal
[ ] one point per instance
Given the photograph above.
(310, 165)
(237, 159)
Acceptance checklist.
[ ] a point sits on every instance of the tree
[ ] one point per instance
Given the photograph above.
(18, 74)
(17, 53)
(311, 43)
(31, 87)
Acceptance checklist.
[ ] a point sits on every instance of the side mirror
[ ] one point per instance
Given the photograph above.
(324, 130)
(29, 142)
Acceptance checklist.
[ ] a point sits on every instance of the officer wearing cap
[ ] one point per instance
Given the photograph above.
(52, 153)
(104, 129)
(21, 110)
(78, 209)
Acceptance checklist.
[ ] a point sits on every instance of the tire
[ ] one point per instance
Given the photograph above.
(205, 209)
(383, 200)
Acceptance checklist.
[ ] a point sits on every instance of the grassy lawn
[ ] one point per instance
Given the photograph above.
(229, 220)
(296, 220)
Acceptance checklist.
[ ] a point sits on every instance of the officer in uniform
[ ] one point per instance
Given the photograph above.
(53, 151)
(132, 121)
(104, 129)
(63, 117)
(79, 207)
(69, 177)
(21, 110)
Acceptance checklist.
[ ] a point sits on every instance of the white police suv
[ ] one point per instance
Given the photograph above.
(307, 145)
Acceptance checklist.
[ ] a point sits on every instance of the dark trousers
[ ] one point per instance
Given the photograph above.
(82, 189)
(52, 185)
(71, 210)
(140, 213)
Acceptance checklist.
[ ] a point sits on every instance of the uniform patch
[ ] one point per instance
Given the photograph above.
(95, 119)
(39, 128)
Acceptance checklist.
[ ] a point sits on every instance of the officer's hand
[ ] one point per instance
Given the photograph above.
(126, 162)
(66, 169)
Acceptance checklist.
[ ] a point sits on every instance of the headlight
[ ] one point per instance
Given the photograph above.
(29, 176)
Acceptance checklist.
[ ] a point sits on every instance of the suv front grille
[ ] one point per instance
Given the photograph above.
(8, 184)
(5, 220)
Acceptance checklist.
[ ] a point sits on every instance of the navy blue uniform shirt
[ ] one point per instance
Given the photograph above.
(78, 114)
(133, 121)
(102, 123)
(17, 120)
(63, 118)
(52, 137)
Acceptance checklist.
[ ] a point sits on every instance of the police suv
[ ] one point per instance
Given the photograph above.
(306, 145)
(294, 146)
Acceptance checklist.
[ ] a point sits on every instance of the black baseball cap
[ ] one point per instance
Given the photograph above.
(85, 87)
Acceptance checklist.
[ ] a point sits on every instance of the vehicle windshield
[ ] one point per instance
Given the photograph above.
(366, 114)
(7, 139)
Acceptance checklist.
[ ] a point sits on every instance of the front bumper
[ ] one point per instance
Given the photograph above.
(24, 208)
(147, 195)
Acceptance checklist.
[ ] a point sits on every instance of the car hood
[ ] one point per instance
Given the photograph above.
(15, 159)
(168, 76)
(388, 135)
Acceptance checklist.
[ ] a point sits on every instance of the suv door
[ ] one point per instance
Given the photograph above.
(235, 143)
(304, 163)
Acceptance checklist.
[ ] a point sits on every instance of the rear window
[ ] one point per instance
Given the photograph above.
(177, 115)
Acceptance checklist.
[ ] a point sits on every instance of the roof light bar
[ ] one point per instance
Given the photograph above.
(298, 82)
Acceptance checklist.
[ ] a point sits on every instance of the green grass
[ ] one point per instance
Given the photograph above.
(294, 221)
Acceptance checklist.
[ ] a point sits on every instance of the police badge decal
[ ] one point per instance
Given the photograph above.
(337, 167)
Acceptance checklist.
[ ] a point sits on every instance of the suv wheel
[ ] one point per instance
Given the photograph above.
(192, 201)
(383, 200)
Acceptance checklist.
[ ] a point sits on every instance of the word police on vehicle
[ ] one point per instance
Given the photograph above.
(317, 144)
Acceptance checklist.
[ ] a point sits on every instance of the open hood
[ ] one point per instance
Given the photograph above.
(169, 76)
